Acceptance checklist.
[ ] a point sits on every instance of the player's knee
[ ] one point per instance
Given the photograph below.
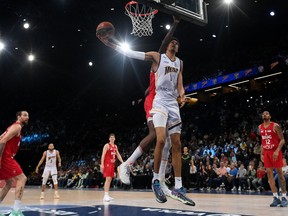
(44, 180)
(54, 178)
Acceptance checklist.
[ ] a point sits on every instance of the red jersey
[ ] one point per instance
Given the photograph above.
(150, 97)
(270, 139)
(12, 146)
(110, 156)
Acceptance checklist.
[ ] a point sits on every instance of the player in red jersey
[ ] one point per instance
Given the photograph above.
(271, 154)
(108, 158)
(10, 170)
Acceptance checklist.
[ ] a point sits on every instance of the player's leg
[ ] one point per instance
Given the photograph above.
(163, 165)
(5, 189)
(45, 176)
(107, 184)
(123, 169)
(19, 190)
(160, 116)
(55, 182)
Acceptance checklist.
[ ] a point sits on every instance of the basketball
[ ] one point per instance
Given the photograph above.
(105, 29)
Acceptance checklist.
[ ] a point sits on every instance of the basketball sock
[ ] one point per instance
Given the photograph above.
(162, 170)
(17, 205)
(155, 176)
(275, 195)
(178, 182)
(56, 192)
(284, 195)
(136, 154)
(106, 194)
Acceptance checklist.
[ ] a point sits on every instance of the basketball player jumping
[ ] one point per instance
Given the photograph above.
(166, 114)
(124, 172)
(51, 156)
(271, 154)
(10, 170)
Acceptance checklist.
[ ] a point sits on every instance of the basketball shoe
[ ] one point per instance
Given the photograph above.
(165, 189)
(284, 202)
(16, 213)
(107, 198)
(276, 202)
(124, 173)
(180, 195)
(160, 196)
(56, 195)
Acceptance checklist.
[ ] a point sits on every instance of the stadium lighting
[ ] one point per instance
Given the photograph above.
(272, 13)
(31, 57)
(90, 64)
(269, 75)
(213, 88)
(194, 93)
(167, 27)
(2, 46)
(125, 46)
(26, 25)
(228, 1)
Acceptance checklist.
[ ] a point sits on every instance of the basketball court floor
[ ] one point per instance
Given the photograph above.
(140, 203)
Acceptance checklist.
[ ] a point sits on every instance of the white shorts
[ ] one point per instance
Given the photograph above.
(167, 114)
(49, 171)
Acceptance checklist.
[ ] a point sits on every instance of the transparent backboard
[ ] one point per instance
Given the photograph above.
(194, 11)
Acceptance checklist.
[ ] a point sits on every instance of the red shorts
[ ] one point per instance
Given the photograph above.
(9, 168)
(148, 105)
(269, 162)
(108, 170)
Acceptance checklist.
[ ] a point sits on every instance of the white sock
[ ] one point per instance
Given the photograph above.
(275, 195)
(136, 154)
(178, 182)
(284, 195)
(162, 170)
(17, 205)
(106, 194)
(155, 176)
(42, 193)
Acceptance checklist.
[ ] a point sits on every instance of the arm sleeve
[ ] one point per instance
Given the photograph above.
(131, 53)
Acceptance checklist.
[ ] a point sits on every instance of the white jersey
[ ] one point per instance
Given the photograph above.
(51, 158)
(166, 78)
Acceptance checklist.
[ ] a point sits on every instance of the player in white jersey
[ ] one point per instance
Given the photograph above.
(51, 156)
(166, 114)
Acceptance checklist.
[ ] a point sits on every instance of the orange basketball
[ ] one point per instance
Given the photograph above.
(105, 29)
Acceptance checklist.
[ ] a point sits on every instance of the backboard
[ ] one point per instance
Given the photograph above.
(194, 11)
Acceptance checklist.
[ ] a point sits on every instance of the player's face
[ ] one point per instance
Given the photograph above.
(173, 45)
(266, 116)
(112, 138)
(51, 147)
(24, 118)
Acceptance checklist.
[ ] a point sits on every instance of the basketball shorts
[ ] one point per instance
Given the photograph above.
(148, 106)
(167, 114)
(49, 171)
(108, 170)
(9, 168)
(269, 162)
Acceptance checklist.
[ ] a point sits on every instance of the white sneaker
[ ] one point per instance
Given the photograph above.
(56, 196)
(124, 173)
(107, 198)
(239, 189)
(233, 189)
(165, 189)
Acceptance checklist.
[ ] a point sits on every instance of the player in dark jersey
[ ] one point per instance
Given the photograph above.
(271, 154)
(10, 170)
(108, 158)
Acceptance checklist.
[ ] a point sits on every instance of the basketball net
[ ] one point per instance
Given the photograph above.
(141, 16)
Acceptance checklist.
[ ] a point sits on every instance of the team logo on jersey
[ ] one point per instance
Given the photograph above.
(169, 69)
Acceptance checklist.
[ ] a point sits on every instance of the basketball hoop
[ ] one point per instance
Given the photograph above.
(141, 16)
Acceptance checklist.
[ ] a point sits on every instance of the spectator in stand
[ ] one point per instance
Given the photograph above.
(231, 177)
(260, 174)
(221, 180)
(285, 173)
(186, 160)
(242, 178)
(251, 175)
